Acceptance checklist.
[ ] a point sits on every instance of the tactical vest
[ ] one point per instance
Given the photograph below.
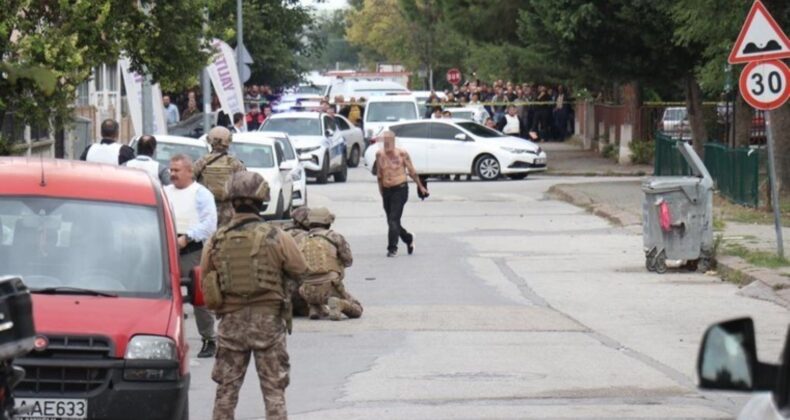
(320, 253)
(214, 176)
(246, 262)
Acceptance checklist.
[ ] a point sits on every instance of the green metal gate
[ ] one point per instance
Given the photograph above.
(736, 172)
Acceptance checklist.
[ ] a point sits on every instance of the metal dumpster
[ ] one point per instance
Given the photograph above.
(677, 217)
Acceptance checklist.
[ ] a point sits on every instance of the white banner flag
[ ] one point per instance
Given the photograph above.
(134, 97)
(225, 77)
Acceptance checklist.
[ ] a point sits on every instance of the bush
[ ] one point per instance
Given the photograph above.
(642, 152)
(610, 151)
(5, 147)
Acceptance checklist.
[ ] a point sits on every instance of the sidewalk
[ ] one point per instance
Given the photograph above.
(569, 159)
(621, 203)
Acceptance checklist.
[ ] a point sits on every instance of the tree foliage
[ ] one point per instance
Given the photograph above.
(330, 29)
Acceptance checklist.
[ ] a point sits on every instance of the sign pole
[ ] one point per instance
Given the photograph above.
(774, 191)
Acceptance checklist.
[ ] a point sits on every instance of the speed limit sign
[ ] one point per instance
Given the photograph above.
(764, 84)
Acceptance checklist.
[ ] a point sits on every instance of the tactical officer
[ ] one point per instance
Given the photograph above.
(215, 169)
(245, 263)
(327, 254)
(298, 230)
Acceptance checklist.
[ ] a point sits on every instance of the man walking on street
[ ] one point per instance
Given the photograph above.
(216, 168)
(108, 150)
(244, 265)
(146, 147)
(196, 219)
(392, 165)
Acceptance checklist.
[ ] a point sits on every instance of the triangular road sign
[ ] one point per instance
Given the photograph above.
(760, 39)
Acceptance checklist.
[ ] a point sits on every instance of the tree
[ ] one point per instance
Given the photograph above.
(331, 30)
(277, 35)
(70, 38)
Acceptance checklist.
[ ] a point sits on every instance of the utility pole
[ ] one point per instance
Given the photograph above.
(147, 108)
(206, 83)
(239, 38)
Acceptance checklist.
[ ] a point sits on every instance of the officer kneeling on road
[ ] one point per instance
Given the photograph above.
(245, 264)
(298, 230)
(327, 254)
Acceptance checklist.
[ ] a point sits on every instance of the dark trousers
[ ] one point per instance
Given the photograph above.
(394, 200)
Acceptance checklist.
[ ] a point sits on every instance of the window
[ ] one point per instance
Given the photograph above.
(253, 155)
(479, 130)
(108, 247)
(329, 123)
(390, 111)
(288, 150)
(294, 126)
(418, 130)
(443, 131)
(341, 124)
(165, 151)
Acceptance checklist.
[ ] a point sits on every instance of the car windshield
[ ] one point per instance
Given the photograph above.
(62, 243)
(310, 89)
(294, 126)
(390, 111)
(675, 114)
(165, 151)
(253, 155)
(479, 130)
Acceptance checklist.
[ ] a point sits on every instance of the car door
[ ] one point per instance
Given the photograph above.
(285, 174)
(336, 142)
(413, 137)
(446, 153)
(351, 134)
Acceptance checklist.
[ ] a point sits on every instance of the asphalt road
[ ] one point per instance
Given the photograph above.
(513, 306)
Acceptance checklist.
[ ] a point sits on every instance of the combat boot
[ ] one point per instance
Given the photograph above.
(336, 308)
(316, 311)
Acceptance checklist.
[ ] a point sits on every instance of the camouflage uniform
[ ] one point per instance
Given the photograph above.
(298, 230)
(252, 324)
(327, 288)
(219, 138)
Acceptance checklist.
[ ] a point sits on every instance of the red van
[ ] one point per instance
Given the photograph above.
(96, 245)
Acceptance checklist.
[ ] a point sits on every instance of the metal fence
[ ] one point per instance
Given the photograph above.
(668, 160)
(736, 172)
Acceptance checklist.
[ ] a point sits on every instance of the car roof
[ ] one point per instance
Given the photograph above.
(392, 98)
(33, 176)
(165, 138)
(432, 120)
(296, 114)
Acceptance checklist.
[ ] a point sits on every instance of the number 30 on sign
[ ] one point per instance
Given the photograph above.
(764, 84)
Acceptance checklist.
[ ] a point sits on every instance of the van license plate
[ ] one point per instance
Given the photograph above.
(51, 408)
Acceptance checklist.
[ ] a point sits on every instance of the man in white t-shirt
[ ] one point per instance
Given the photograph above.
(146, 147)
(108, 150)
(196, 220)
(510, 124)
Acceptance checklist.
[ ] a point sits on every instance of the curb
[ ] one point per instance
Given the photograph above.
(638, 174)
(613, 214)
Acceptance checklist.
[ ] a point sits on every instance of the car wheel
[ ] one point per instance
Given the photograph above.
(323, 177)
(518, 176)
(353, 160)
(278, 214)
(343, 174)
(487, 168)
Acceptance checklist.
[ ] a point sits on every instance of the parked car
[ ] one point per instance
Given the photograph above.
(289, 101)
(298, 174)
(355, 141)
(318, 142)
(459, 147)
(97, 247)
(259, 153)
(675, 122)
(168, 146)
(382, 111)
(728, 361)
(192, 126)
(363, 88)
(477, 114)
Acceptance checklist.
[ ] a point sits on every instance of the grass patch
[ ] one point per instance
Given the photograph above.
(718, 224)
(758, 258)
(741, 214)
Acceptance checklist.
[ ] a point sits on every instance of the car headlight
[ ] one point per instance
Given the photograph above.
(308, 149)
(517, 151)
(150, 347)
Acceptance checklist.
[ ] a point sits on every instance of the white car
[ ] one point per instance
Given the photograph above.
(319, 144)
(383, 111)
(355, 140)
(298, 174)
(258, 152)
(477, 114)
(459, 147)
(168, 146)
(289, 101)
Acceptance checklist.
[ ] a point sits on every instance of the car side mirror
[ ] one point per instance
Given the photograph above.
(330, 132)
(286, 166)
(461, 137)
(194, 287)
(728, 359)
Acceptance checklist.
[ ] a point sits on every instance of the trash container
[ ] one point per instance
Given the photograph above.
(677, 217)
